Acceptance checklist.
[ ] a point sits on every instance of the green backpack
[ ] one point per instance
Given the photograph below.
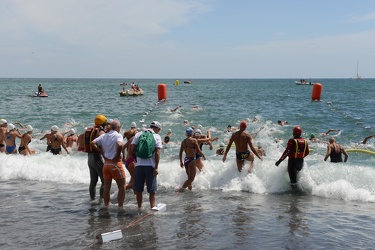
(146, 145)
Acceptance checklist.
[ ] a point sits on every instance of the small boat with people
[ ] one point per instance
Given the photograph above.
(134, 90)
(303, 82)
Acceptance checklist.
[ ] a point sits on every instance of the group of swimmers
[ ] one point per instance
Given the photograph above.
(55, 140)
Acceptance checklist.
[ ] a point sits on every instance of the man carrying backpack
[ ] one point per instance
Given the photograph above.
(146, 146)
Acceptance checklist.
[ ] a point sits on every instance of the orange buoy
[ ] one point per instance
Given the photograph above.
(162, 91)
(316, 92)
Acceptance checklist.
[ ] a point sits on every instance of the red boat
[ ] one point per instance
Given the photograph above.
(40, 94)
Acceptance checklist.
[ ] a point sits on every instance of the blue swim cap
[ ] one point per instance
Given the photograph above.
(189, 131)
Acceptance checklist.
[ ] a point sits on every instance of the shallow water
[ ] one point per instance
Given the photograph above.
(45, 201)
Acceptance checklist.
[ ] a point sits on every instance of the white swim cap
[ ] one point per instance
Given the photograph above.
(259, 144)
(29, 128)
(197, 132)
(54, 128)
(71, 132)
(3, 121)
(133, 125)
(199, 126)
(10, 126)
(222, 145)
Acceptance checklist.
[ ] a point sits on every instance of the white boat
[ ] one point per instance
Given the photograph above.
(303, 82)
(358, 77)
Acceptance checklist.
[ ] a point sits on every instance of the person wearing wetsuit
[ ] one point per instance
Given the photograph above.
(190, 146)
(297, 149)
(335, 151)
(95, 160)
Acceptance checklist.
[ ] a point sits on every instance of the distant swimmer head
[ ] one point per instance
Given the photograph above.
(259, 144)
(312, 136)
(189, 131)
(54, 128)
(186, 121)
(222, 145)
(100, 120)
(3, 121)
(297, 131)
(243, 124)
(197, 132)
(29, 128)
(71, 132)
(199, 126)
(10, 126)
(133, 125)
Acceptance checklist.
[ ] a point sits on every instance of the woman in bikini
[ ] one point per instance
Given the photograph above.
(24, 148)
(129, 160)
(190, 146)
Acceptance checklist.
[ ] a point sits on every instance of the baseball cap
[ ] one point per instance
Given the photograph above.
(54, 128)
(155, 124)
(3, 121)
(29, 128)
(133, 125)
(189, 131)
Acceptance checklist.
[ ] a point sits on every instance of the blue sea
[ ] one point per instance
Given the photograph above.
(45, 201)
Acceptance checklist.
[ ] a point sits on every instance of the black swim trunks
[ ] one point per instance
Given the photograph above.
(243, 155)
(55, 151)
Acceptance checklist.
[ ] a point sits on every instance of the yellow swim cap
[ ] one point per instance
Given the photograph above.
(100, 119)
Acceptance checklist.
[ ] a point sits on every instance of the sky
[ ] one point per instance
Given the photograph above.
(187, 39)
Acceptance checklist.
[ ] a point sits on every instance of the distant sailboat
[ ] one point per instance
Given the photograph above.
(358, 77)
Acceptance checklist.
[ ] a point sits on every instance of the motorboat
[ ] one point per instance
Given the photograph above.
(40, 94)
